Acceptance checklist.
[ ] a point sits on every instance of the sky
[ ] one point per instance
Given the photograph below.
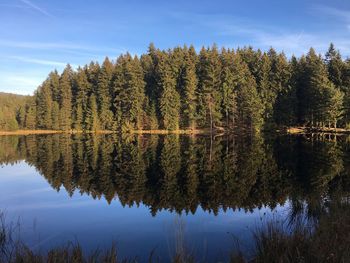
(38, 36)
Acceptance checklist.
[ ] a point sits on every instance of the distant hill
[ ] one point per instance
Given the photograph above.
(11, 106)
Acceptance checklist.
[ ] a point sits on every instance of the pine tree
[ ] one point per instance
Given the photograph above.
(335, 66)
(129, 92)
(248, 101)
(30, 115)
(92, 120)
(209, 87)
(321, 93)
(189, 81)
(104, 95)
(81, 88)
(54, 79)
(55, 116)
(66, 99)
(332, 104)
(44, 106)
(169, 101)
(228, 86)
(266, 93)
(286, 106)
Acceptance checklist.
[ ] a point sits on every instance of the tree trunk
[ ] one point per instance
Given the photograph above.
(211, 119)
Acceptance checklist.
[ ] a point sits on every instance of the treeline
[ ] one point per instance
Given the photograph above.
(185, 173)
(10, 107)
(243, 89)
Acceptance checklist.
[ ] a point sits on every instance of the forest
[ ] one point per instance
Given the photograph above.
(236, 90)
(10, 106)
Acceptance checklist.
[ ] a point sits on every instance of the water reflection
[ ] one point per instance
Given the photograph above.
(181, 173)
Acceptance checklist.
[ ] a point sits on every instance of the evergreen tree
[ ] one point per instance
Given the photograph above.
(189, 81)
(169, 101)
(92, 120)
(30, 115)
(335, 66)
(129, 92)
(264, 86)
(80, 93)
(104, 95)
(248, 101)
(65, 101)
(285, 112)
(228, 86)
(55, 115)
(317, 85)
(44, 106)
(209, 87)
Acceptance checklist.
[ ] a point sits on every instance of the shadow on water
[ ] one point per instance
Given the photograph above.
(184, 173)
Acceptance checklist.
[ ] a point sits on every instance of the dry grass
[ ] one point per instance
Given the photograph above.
(324, 130)
(30, 132)
(189, 131)
(295, 130)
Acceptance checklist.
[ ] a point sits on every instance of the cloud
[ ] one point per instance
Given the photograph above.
(57, 46)
(41, 61)
(37, 8)
(21, 83)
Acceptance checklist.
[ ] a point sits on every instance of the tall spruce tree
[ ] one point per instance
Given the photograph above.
(335, 66)
(169, 101)
(81, 88)
(44, 106)
(65, 102)
(92, 120)
(248, 100)
(189, 82)
(229, 87)
(209, 87)
(104, 98)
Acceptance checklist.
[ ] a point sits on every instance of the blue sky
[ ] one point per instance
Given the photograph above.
(37, 36)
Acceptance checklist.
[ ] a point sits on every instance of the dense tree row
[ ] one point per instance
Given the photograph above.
(242, 89)
(183, 173)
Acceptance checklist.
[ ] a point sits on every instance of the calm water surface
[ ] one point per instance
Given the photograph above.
(145, 193)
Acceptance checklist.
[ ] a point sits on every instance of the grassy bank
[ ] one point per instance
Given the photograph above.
(288, 130)
(189, 131)
(30, 132)
(325, 130)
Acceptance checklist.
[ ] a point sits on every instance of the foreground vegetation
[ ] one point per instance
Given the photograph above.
(178, 89)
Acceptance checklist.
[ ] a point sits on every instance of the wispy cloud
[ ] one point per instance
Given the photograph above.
(57, 46)
(37, 8)
(21, 82)
(40, 61)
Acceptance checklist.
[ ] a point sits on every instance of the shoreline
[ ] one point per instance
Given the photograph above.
(287, 130)
(316, 130)
(33, 132)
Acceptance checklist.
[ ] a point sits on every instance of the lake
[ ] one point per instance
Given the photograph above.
(161, 194)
